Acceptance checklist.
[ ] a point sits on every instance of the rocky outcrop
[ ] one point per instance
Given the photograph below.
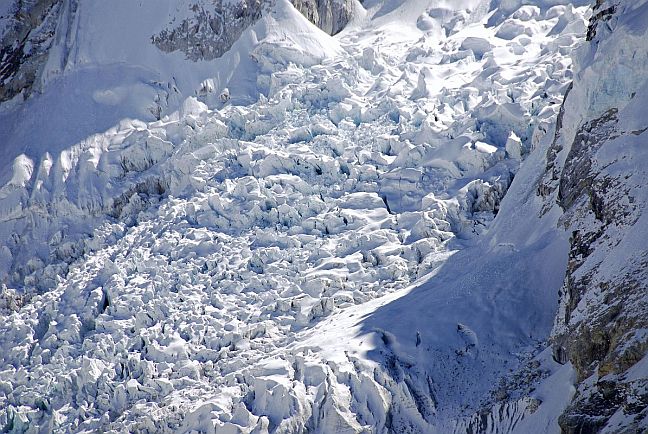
(210, 28)
(329, 15)
(604, 302)
(204, 31)
(597, 175)
(24, 44)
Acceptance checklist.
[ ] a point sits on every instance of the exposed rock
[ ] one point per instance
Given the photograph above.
(329, 15)
(601, 16)
(24, 45)
(593, 175)
(213, 27)
(210, 30)
(207, 30)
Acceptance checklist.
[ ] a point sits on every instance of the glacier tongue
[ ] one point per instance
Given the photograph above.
(312, 250)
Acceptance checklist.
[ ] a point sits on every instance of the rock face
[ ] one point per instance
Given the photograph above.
(210, 28)
(213, 27)
(28, 33)
(201, 30)
(597, 174)
(329, 15)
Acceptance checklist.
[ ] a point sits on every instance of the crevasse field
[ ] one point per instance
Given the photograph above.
(323, 234)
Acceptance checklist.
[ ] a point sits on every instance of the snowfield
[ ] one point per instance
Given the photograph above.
(308, 244)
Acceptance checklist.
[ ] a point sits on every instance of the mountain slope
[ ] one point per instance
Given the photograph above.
(87, 72)
(42, 38)
(601, 188)
(359, 233)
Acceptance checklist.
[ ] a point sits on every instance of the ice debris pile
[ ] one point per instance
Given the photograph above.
(165, 275)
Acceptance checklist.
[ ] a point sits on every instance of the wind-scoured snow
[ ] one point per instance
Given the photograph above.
(314, 249)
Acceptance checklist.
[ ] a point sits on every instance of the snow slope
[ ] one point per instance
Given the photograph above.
(319, 252)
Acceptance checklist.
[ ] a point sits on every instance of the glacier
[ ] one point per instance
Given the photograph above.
(379, 231)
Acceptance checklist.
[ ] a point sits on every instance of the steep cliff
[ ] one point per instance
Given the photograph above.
(28, 29)
(597, 173)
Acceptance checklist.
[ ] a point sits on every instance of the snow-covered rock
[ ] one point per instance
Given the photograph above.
(596, 174)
